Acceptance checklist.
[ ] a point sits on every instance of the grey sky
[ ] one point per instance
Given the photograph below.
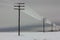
(47, 8)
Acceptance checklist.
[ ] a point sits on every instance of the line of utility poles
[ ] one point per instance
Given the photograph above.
(20, 7)
(44, 19)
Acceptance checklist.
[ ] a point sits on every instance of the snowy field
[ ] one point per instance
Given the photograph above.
(30, 36)
(9, 36)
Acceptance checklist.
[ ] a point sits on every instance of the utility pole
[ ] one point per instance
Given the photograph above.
(51, 27)
(55, 27)
(20, 7)
(43, 24)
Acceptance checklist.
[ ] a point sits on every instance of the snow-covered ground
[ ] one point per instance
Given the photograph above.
(40, 36)
(9, 36)
(30, 36)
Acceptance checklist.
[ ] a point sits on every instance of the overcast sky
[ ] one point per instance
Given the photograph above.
(46, 8)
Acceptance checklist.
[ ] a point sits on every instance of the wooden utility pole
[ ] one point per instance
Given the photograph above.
(19, 9)
(52, 27)
(43, 24)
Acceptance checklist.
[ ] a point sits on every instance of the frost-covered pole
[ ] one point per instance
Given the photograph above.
(19, 8)
(43, 24)
(52, 27)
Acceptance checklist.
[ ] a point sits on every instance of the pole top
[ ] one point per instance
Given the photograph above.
(20, 3)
